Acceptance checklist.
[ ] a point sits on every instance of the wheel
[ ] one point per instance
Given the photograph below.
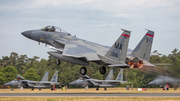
(83, 70)
(58, 62)
(97, 88)
(32, 89)
(102, 70)
(39, 89)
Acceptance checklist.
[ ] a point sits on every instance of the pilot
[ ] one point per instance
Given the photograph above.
(52, 29)
(46, 28)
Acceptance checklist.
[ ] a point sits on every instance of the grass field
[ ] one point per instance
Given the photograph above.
(89, 98)
(91, 90)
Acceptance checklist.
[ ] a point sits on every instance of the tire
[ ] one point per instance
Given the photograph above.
(102, 70)
(58, 62)
(83, 70)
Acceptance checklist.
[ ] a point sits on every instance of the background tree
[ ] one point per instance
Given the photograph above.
(31, 75)
(174, 55)
(9, 73)
(5, 61)
(2, 78)
(22, 63)
(13, 58)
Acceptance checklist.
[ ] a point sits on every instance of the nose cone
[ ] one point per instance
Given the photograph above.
(27, 33)
(73, 83)
(152, 83)
(8, 84)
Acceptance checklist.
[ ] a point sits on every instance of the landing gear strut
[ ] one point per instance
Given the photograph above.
(102, 70)
(58, 62)
(83, 70)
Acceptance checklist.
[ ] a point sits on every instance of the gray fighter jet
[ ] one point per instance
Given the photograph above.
(44, 83)
(86, 81)
(78, 51)
(166, 80)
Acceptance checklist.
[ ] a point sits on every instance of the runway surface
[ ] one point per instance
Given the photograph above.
(89, 94)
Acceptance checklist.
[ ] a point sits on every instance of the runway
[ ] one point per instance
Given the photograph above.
(89, 94)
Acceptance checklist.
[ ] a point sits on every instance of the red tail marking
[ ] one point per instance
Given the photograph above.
(149, 35)
(125, 35)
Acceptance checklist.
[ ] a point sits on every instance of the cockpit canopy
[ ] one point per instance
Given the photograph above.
(53, 29)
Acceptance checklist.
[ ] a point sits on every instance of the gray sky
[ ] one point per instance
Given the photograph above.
(99, 21)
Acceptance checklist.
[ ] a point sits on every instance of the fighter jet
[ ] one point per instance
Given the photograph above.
(86, 81)
(166, 80)
(44, 83)
(79, 51)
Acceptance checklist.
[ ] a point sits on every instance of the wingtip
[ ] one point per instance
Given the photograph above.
(149, 30)
(126, 30)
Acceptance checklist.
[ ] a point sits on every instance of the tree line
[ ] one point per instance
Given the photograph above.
(34, 69)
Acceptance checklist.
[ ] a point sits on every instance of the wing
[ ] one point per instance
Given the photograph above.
(36, 84)
(95, 82)
(82, 48)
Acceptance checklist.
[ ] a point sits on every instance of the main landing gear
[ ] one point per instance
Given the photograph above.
(83, 70)
(58, 62)
(102, 70)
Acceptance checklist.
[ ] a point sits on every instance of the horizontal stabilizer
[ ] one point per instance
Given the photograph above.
(107, 60)
(119, 65)
(125, 82)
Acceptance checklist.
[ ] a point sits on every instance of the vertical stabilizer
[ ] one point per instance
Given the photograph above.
(55, 76)
(45, 77)
(119, 49)
(143, 49)
(120, 75)
(110, 75)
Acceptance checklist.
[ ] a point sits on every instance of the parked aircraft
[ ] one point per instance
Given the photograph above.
(86, 81)
(44, 83)
(78, 51)
(166, 80)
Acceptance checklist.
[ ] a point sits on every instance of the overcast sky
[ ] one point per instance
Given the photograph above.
(99, 21)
